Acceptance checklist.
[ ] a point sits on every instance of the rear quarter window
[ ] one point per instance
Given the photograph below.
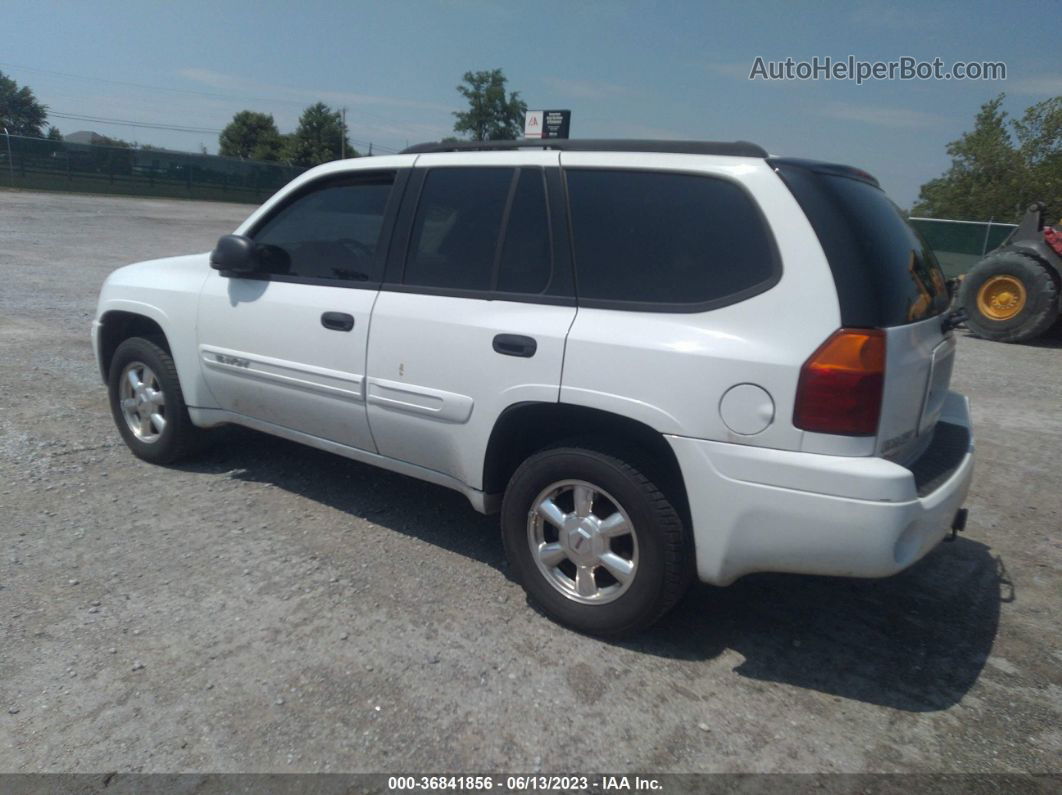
(885, 273)
(666, 241)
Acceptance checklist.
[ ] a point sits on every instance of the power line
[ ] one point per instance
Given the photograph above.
(213, 94)
(129, 123)
(182, 128)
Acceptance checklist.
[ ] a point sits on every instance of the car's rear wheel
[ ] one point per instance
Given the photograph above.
(1009, 297)
(594, 541)
(147, 403)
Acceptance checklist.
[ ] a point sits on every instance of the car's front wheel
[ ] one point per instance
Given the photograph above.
(594, 541)
(147, 403)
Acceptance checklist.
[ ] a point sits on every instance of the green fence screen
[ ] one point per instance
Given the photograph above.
(960, 244)
(43, 164)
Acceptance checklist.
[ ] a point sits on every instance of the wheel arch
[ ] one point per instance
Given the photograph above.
(118, 325)
(525, 428)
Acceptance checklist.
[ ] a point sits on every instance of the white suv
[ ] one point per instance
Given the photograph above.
(659, 360)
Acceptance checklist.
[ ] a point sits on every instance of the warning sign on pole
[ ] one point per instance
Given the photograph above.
(547, 123)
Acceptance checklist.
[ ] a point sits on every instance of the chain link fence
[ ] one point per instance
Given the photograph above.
(46, 164)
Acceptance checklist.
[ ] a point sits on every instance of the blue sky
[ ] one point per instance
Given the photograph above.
(626, 69)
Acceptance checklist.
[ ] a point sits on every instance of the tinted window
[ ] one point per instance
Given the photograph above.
(666, 238)
(525, 264)
(885, 273)
(455, 232)
(330, 233)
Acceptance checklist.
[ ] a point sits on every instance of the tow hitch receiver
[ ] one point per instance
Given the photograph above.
(958, 524)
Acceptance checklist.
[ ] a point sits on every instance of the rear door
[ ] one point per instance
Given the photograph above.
(475, 310)
(887, 278)
(287, 345)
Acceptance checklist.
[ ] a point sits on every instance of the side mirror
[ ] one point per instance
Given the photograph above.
(234, 254)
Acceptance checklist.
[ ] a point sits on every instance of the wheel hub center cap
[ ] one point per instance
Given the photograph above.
(582, 541)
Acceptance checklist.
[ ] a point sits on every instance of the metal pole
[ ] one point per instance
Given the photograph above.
(10, 159)
(988, 231)
(343, 137)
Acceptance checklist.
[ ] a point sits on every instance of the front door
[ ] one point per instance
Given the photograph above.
(287, 345)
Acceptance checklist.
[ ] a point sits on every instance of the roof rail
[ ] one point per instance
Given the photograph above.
(731, 148)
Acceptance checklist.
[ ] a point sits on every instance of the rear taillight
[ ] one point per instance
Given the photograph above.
(841, 384)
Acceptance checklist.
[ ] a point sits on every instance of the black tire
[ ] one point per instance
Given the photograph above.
(665, 552)
(1041, 298)
(180, 437)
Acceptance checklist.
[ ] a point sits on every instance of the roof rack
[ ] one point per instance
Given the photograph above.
(731, 148)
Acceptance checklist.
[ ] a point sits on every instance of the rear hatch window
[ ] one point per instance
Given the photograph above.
(885, 273)
(887, 278)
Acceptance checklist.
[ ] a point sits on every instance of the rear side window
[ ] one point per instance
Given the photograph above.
(672, 241)
(481, 230)
(525, 263)
(455, 235)
(885, 273)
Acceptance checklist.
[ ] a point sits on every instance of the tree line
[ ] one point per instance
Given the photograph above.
(997, 168)
(493, 114)
(1000, 167)
(320, 136)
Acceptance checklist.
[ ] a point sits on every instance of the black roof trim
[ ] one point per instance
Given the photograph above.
(820, 167)
(729, 148)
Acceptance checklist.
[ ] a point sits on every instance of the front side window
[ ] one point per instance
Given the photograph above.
(331, 232)
(664, 238)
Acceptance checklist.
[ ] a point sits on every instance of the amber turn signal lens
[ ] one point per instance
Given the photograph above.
(841, 384)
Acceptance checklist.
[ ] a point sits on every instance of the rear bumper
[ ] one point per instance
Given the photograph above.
(757, 509)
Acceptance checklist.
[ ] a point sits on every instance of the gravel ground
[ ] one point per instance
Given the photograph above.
(274, 608)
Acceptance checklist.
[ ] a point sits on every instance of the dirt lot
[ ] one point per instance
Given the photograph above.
(274, 608)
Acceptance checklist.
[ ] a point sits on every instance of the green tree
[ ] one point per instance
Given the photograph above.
(991, 176)
(54, 140)
(115, 143)
(20, 112)
(491, 115)
(251, 136)
(319, 138)
(1039, 134)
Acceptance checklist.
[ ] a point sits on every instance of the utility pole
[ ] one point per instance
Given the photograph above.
(10, 159)
(343, 137)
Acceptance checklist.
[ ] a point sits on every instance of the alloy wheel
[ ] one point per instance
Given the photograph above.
(583, 542)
